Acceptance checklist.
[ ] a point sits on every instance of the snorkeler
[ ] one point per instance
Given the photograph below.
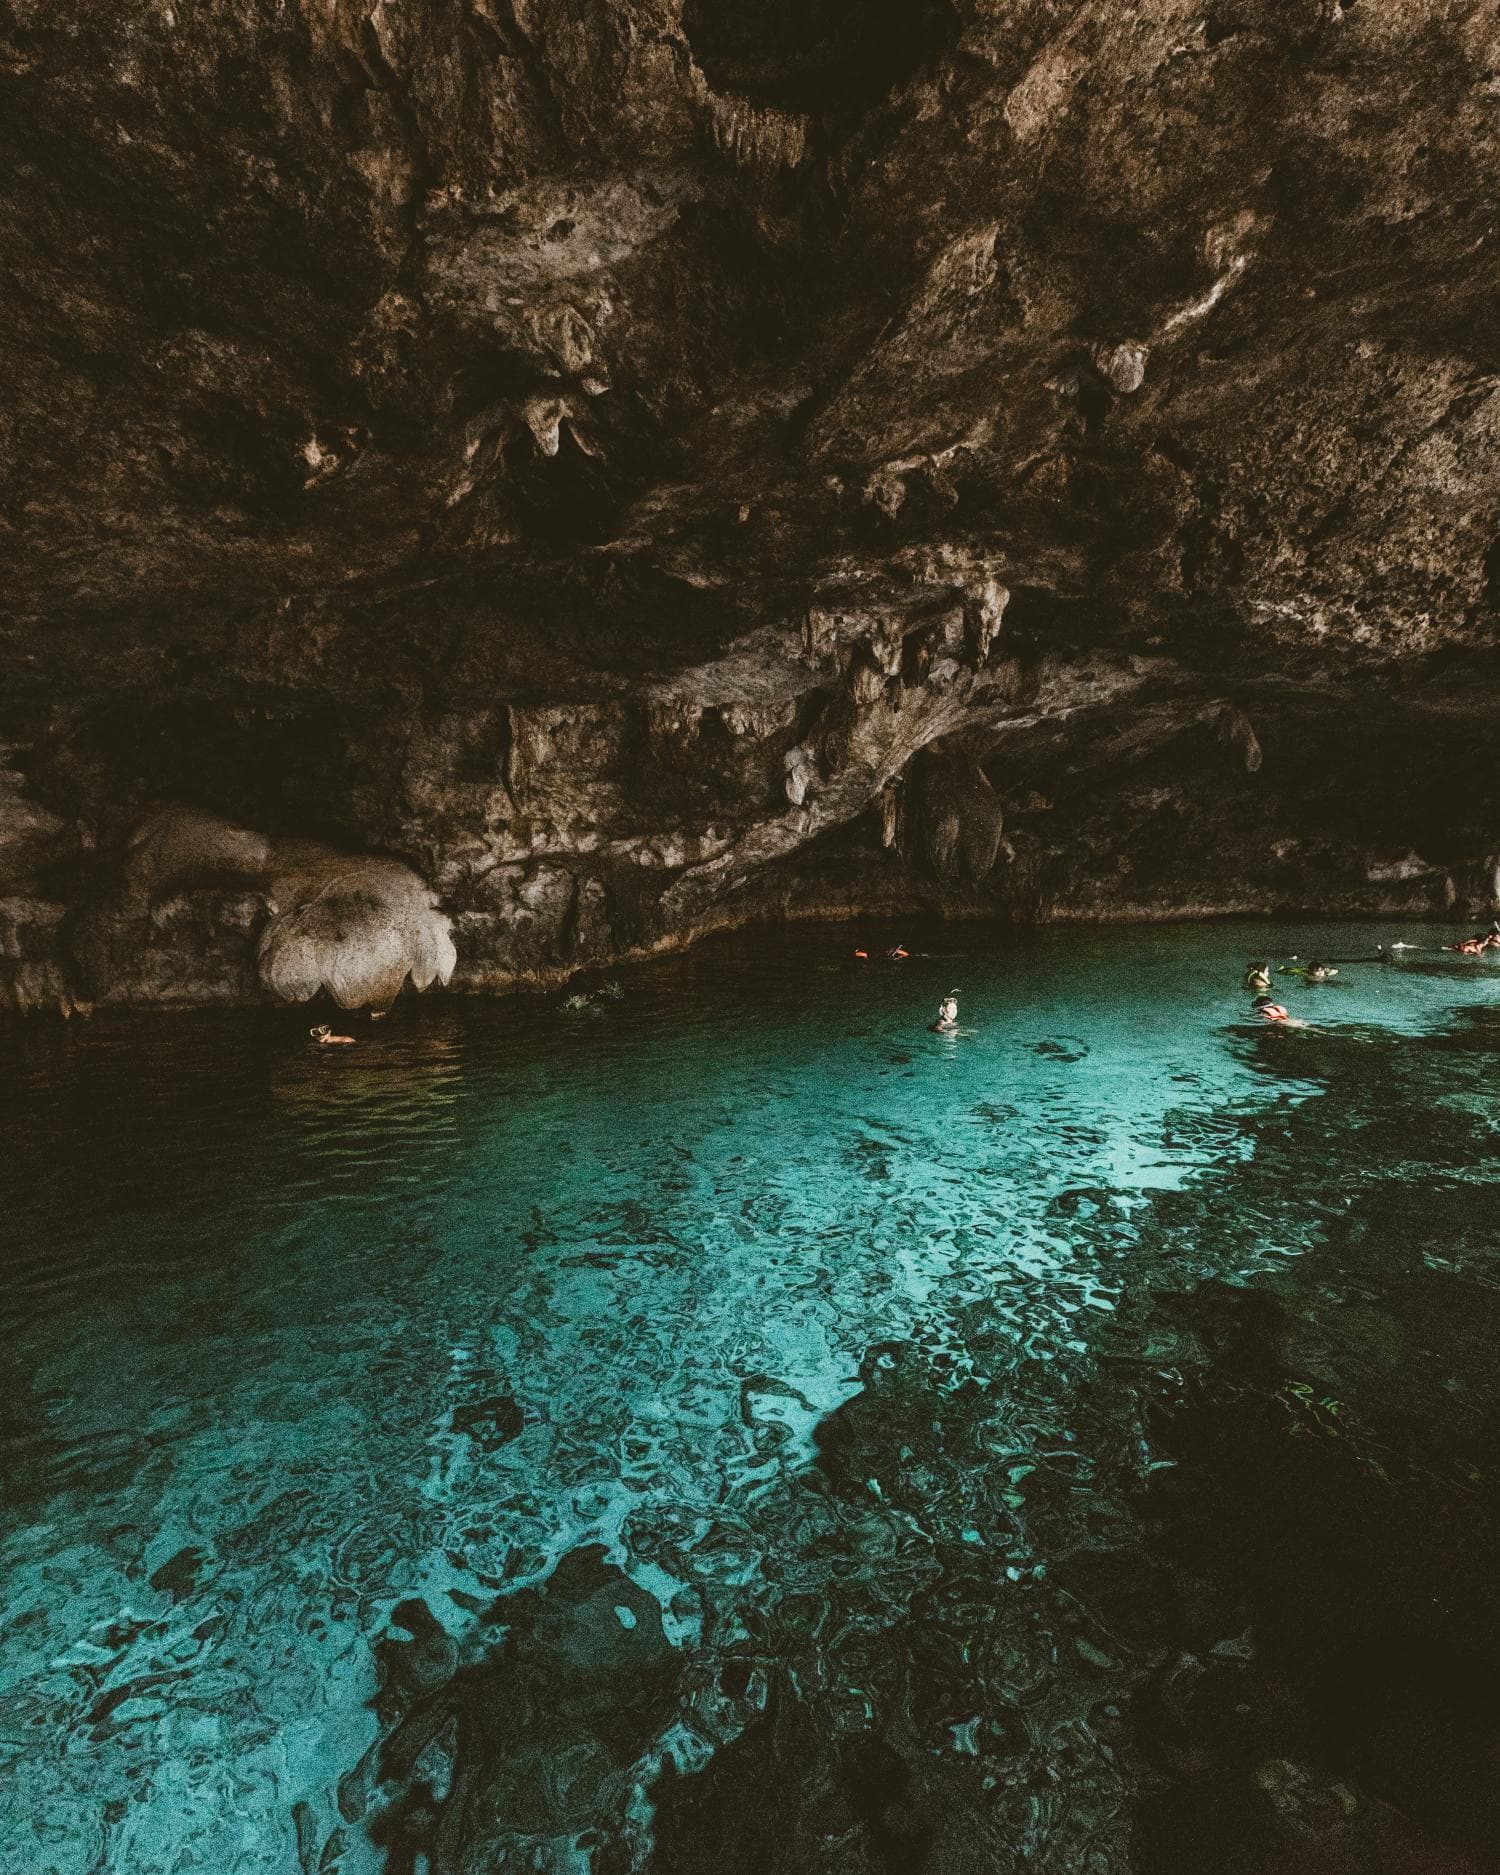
(1311, 972)
(1479, 943)
(947, 1015)
(1270, 1010)
(1257, 976)
(325, 1037)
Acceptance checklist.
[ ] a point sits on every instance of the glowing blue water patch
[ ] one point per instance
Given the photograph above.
(300, 1340)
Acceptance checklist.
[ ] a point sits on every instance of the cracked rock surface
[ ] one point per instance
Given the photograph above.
(649, 465)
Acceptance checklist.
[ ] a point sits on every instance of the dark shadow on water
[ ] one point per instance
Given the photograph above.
(1333, 1496)
(1305, 1594)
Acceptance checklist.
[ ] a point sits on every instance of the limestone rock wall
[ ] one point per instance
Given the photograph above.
(616, 459)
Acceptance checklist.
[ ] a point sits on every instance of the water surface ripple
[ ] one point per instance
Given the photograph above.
(732, 1427)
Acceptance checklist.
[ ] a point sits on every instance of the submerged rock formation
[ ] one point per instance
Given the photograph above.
(616, 460)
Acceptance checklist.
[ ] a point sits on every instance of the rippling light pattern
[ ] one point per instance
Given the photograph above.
(701, 1430)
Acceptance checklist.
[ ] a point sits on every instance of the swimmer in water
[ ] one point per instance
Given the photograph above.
(1257, 976)
(325, 1037)
(1271, 1011)
(947, 1015)
(1318, 973)
(1479, 943)
(1310, 972)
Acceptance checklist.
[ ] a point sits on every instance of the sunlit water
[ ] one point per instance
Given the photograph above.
(733, 1361)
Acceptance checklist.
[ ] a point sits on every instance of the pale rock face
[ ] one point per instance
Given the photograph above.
(1124, 366)
(179, 913)
(607, 461)
(357, 930)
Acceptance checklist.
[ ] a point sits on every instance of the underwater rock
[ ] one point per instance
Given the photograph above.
(785, 1797)
(490, 1422)
(178, 1575)
(539, 1735)
(1069, 1048)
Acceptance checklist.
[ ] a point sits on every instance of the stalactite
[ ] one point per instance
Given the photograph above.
(758, 137)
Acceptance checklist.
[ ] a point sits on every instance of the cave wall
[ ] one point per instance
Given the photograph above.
(651, 465)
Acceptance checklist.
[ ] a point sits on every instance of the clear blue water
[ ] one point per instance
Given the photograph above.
(543, 1438)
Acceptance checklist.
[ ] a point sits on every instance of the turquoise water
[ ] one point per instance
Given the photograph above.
(577, 1440)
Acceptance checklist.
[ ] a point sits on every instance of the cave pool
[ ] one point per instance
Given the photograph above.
(732, 1428)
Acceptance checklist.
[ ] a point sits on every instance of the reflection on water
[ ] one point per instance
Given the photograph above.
(732, 1428)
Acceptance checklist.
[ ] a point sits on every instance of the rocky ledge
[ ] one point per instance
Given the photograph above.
(597, 470)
